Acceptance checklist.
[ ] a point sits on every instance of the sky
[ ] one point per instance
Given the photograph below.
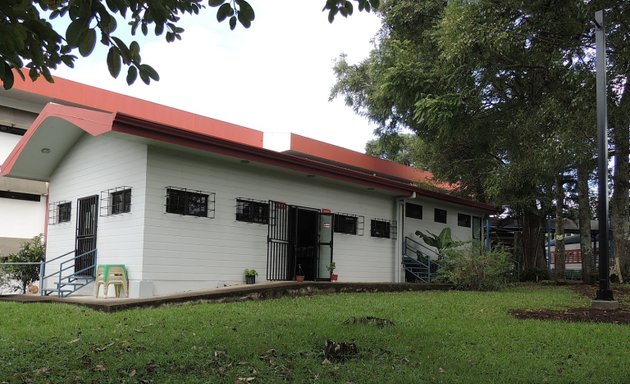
(275, 76)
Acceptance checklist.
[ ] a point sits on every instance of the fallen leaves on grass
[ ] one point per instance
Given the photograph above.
(340, 351)
(371, 320)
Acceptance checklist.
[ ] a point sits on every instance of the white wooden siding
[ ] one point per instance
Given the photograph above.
(93, 165)
(206, 253)
(427, 223)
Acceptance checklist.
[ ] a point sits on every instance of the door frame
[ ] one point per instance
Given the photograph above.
(86, 235)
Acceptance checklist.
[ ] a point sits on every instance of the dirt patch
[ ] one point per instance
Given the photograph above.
(585, 314)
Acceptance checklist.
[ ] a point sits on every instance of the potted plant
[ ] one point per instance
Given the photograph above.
(299, 276)
(250, 276)
(331, 268)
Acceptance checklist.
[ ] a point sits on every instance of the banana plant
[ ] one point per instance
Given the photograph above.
(441, 242)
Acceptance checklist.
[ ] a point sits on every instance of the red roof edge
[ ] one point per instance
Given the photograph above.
(93, 122)
(79, 94)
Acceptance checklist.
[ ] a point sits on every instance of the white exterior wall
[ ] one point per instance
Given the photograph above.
(93, 165)
(22, 219)
(19, 219)
(427, 223)
(187, 252)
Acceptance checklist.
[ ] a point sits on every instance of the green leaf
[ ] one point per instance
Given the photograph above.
(75, 30)
(245, 12)
(152, 73)
(144, 76)
(88, 40)
(224, 12)
(113, 62)
(215, 3)
(134, 51)
(132, 75)
(232, 22)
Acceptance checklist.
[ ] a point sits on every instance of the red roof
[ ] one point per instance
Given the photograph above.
(160, 122)
(67, 91)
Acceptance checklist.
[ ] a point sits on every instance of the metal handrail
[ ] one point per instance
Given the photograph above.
(62, 269)
(418, 244)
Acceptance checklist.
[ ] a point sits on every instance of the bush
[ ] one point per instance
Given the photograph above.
(477, 269)
(31, 251)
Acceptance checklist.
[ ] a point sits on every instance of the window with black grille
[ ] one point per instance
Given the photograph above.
(464, 220)
(252, 211)
(121, 201)
(189, 202)
(380, 228)
(346, 224)
(64, 212)
(413, 210)
(439, 216)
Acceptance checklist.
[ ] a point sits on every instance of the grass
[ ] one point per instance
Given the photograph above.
(438, 337)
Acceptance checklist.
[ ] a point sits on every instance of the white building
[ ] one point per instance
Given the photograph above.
(22, 202)
(187, 202)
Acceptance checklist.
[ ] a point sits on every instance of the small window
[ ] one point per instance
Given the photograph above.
(121, 201)
(115, 201)
(64, 212)
(188, 202)
(346, 224)
(380, 228)
(463, 220)
(252, 211)
(439, 216)
(413, 210)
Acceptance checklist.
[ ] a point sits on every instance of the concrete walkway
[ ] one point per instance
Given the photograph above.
(259, 291)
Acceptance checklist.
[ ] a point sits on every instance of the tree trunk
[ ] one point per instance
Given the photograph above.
(584, 219)
(532, 244)
(559, 262)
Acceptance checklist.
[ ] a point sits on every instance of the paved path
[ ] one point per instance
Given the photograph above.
(260, 291)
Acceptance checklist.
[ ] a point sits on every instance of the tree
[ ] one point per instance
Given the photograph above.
(32, 251)
(496, 90)
(29, 39)
(407, 149)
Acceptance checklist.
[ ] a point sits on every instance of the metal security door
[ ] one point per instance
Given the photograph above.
(279, 264)
(86, 235)
(325, 255)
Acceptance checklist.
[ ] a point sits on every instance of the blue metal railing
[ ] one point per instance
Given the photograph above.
(69, 278)
(419, 263)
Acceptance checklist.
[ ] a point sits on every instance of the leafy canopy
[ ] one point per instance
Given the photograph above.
(29, 40)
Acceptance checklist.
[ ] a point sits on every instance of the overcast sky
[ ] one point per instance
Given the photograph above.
(275, 76)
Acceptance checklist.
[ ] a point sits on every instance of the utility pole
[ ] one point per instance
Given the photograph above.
(604, 298)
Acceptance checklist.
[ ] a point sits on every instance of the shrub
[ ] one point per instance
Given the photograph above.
(477, 269)
(31, 251)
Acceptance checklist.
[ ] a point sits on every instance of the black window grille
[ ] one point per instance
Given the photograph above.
(64, 212)
(413, 210)
(464, 220)
(346, 224)
(189, 202)
(439, 216)
(121, 201)
(115, 201)
(380, 228)
(252, 211)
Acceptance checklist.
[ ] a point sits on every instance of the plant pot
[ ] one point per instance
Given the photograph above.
(333, 277)
(299, 278)
(250, 279)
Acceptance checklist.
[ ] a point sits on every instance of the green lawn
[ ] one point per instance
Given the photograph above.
(437, 337)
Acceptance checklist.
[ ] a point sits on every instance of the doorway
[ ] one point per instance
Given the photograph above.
(86, 236)
(299, 241)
